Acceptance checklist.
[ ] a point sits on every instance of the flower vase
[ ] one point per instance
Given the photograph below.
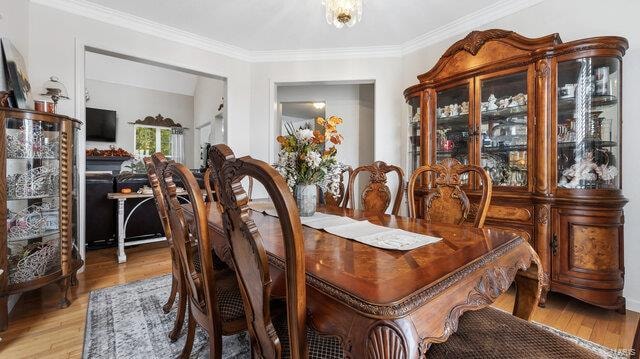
(306, 199)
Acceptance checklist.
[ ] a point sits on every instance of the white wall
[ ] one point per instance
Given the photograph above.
(134, 103)
(127, 72)
(576, 20)
(207, 98)
(14, 24)
(56, 36)
(384, 72)
(341, 101)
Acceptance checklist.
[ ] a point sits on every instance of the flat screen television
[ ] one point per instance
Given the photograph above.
(101, 125)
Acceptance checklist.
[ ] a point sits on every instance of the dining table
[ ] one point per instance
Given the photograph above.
(385, 303)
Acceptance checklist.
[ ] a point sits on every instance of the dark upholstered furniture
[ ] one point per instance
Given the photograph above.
(101, 213)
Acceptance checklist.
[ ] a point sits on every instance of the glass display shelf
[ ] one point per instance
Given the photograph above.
(588, 124)
(34, 236)
(504, 129)
(452, 124)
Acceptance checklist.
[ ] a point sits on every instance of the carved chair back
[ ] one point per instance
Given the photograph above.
(199, 279)
(211, 190)
(249, 255)
(154, 174)
(376, 196)
(343, 195)
(446, 202)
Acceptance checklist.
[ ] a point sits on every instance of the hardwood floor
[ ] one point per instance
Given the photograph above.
(38, 329)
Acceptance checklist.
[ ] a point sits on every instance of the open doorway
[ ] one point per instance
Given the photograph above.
(300, 103)
(133, 108)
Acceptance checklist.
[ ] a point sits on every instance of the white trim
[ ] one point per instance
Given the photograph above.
(466, 23)
(118, 18)
(79, 100)
(633, 304)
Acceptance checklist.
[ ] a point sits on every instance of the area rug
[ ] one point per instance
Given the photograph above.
(127, 321)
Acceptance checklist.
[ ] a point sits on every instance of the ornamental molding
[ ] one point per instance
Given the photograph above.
(453, 28)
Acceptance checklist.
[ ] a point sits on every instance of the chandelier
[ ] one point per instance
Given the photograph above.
(343, 12)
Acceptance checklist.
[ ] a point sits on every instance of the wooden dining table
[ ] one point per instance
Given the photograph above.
(395, 304)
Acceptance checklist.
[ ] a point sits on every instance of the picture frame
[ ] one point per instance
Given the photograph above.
(17, 78)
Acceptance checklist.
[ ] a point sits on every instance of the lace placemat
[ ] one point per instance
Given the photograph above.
(361, 231)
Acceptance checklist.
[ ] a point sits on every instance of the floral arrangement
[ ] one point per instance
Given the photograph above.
(305, 157)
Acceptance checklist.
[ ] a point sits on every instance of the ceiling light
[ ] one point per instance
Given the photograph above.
(319, 105)
(343, 12)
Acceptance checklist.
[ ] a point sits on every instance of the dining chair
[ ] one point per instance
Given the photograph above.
(278, 338)
(376, 196)
(343, 195)
(214, 299)
(446, 201)
(211, 191)
(154, 173)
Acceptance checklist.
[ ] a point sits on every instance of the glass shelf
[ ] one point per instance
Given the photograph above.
(34, 236)
(452, 124)
(588, 124)
(413, 134)
(504, 149)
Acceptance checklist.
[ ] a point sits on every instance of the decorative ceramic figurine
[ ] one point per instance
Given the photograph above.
(504, 103)
(464, 108)
(585, 169)
(492, 103)
(455, 109)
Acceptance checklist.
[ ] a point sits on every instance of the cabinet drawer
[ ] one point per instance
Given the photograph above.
(523, 214)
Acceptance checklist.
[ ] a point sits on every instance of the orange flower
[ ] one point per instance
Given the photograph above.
(318, 137)
(281, 139)
(334, 120)
(320, 121)
(336, 139)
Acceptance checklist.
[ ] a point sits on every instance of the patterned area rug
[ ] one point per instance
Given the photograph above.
(127, 321)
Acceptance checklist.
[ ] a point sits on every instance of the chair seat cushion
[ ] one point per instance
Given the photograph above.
(230, 302)
(491, 333)
(320, 346)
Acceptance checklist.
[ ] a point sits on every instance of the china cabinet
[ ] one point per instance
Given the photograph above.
(37, 200)
(543, 118)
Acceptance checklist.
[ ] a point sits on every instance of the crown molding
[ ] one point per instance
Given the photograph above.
(468, 23)
(462, 25)
(344, 53)
(122, 19)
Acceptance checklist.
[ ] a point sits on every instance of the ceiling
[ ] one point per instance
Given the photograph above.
(274, 25)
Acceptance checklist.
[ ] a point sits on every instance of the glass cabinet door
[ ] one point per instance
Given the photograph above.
(503, 129)
(32, 180)
(413, 136)
(588, 124)
(452, 124)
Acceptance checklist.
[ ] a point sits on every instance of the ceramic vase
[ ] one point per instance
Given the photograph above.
(306, 199)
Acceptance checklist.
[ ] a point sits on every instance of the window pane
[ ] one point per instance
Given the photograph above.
(165, 142)
(145, 140)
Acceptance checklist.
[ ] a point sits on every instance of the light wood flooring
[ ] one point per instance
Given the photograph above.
(38, 329)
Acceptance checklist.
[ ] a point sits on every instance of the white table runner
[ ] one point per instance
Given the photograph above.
(361, 231)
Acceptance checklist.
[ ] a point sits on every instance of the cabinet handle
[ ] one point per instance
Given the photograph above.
(554, 244)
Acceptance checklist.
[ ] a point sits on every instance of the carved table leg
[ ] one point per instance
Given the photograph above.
(528, 291)
(121, 232)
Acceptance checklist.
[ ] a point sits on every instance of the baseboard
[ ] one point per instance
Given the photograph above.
(633, 304)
